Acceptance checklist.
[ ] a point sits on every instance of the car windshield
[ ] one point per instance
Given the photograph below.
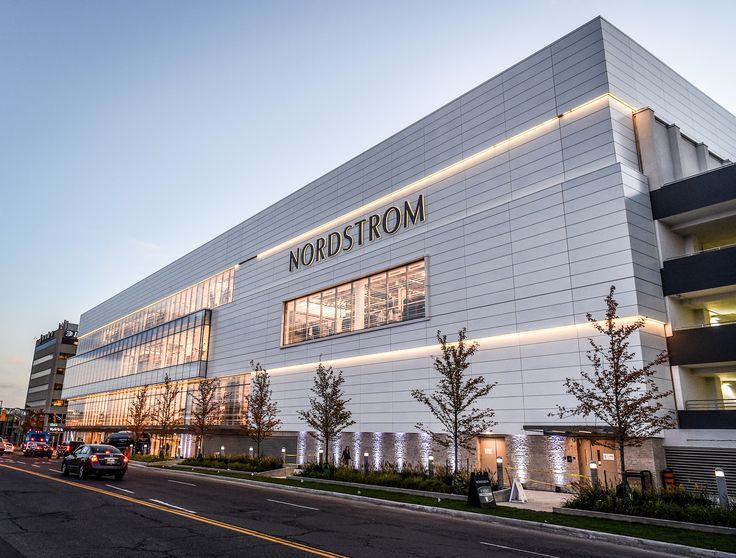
(105, 449)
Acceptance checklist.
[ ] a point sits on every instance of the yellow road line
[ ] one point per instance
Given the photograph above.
(213, 522)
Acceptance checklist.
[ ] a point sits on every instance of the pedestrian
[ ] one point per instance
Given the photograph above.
(345, 459)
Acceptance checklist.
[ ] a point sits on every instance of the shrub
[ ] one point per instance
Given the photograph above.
(236, 462)
(676, 505)
(389, 474)
(146, 458)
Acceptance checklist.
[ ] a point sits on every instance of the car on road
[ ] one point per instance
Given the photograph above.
(6, 446)
(95, 459)
(36, 449)
(66, 448)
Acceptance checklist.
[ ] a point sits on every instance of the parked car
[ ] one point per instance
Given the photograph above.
(6, 446)
(36, 449)
(96, 459)
(66, 448)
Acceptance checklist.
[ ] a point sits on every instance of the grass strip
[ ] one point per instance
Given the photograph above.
(713, 541)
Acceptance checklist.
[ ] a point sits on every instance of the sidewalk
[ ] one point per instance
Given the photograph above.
(539, 500)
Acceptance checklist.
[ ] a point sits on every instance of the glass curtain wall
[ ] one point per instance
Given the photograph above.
(181, 341)
(210, 293)
(111, 409)
(392, 296)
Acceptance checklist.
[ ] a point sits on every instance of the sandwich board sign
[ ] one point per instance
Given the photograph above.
(481, 493)
(517, 492)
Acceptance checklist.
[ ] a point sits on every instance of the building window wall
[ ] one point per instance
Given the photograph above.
(392, 296)
(112, 408)
(181, 341)
(210, 293)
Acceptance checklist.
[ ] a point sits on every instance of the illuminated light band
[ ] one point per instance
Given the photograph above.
(523, 337)
(436, 176)
(236, 266)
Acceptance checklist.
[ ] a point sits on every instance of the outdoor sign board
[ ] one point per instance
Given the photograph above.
(481, 493)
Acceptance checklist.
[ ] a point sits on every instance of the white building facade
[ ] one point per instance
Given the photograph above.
(509, 211)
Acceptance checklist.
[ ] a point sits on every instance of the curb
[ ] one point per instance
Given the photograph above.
(625, 540)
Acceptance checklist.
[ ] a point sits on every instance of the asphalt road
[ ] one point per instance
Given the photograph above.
(164, 513)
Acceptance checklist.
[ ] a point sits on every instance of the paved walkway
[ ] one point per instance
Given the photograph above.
(540, 500)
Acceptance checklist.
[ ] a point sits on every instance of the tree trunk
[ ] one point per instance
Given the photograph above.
(327, 450)
(623, 462)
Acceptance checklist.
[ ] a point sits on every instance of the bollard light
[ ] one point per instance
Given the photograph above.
(594, 472)
(722, 488)
(365, 461)
(430, 465)
(499, 472)
(283, 456)
(250, 450)
(320, 452)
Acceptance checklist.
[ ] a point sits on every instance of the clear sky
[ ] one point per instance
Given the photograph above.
(132, 132)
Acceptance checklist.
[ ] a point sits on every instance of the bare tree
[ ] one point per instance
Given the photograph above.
(452, 403)
(261, 413)
(622, 396)
(32, 420)
(166, 413)
(328, 414)
(139, 412)
(205, 410)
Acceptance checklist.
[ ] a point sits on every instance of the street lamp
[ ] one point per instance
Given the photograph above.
(499, 471)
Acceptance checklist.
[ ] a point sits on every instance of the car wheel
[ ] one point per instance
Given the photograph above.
(119, 476)
(64, 470)
(81, 473)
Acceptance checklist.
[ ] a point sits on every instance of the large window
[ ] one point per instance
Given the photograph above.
(210, 293)
(392, 296)
(181, 341)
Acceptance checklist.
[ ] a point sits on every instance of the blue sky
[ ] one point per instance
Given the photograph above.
(132, 132)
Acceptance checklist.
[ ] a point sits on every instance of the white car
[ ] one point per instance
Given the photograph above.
(7, 446)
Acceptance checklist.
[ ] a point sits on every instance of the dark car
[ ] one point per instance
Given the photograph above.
(35, 449)
(95, 459)
(66, 448)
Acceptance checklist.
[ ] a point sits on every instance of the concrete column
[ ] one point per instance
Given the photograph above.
(673, 135)
(701, 151)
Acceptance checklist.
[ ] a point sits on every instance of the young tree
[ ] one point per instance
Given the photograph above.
(166, 413)
(328, 414)
(139, 412)
(452, 404)
(622, 396)
(205, 409)
(261, 412)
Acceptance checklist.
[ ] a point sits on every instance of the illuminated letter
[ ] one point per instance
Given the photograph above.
(415, 215)
(320, 249)
(373, 233)
(305, 261)
(337, 244)
(395, 228)
(294, 260)
(348, 238)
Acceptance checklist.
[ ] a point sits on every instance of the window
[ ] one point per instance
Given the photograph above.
(389, 297)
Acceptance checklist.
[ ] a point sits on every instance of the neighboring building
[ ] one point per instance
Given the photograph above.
(509, 211)
(48, 370)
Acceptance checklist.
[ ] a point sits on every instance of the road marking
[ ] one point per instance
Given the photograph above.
(32, 465)
(171, 505)
(181, 482)
(288, 504)
(193, 517)
(120, 489)
(518, 550)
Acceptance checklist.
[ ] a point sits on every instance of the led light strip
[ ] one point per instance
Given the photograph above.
(436, 176)
(524, 337)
